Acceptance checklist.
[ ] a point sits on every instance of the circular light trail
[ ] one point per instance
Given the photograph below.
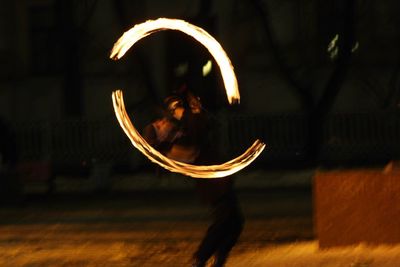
(142, 30)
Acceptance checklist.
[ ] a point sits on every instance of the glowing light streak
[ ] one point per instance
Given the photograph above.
(355, 47)
(332, 44)
(142, 30)
(197, 171)
(333, 47)
(207, 68)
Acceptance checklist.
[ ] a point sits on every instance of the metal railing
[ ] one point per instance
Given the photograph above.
(346, 137)
(362, 136)
(72, 144)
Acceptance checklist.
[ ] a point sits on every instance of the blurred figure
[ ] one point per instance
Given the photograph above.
(183, 135)
(163, 132)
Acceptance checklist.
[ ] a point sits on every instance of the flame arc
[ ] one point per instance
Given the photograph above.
(195, 171)
(139, 31)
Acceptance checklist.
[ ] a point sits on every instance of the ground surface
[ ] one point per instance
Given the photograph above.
(163, 228)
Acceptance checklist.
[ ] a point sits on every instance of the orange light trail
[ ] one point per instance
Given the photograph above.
(142, 30)
(196, 171)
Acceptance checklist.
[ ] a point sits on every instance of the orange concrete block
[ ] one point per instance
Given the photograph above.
(354, 206)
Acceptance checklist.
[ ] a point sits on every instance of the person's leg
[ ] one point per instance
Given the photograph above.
(233, 226)
(210, 243)
(233, 230)
(218, 228)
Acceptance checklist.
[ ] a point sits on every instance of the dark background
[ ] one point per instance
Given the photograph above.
(319, 80)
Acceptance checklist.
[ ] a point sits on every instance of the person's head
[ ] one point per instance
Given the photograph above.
(174, 106)
(191, 101)
(194, 103)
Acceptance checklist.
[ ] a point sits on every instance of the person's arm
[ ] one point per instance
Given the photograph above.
(150, 135)
(161, 134)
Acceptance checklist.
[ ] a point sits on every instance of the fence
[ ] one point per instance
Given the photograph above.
(286, 135)
(347, 137)
(71, 145)
(362, 137)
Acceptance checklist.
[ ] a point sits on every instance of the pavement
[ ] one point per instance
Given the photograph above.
(146, 219)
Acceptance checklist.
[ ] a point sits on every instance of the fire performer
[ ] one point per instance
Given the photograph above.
(183, 135)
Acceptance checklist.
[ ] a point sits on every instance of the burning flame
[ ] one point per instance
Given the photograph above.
(196, 171)
(140, 31)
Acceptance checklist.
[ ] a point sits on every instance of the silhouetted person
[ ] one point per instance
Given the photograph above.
(183, 135)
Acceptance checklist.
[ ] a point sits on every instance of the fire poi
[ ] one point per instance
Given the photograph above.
(142, 30)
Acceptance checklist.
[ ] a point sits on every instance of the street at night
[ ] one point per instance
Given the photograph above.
(143, 227)
(236, 133)
(163, 226)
